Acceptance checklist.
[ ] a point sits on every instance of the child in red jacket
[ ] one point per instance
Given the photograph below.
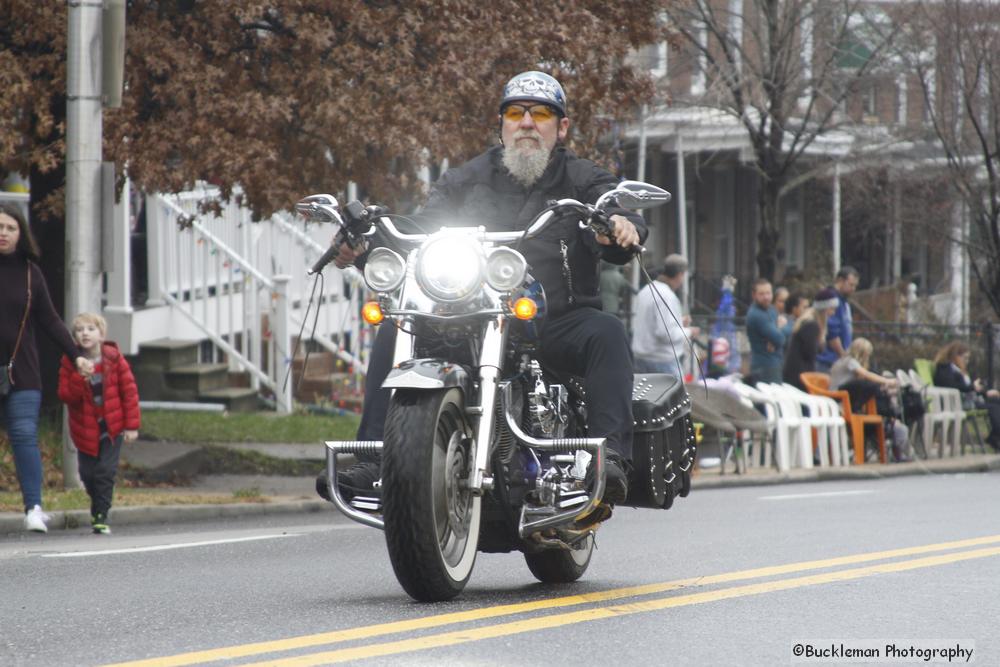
(103, 412)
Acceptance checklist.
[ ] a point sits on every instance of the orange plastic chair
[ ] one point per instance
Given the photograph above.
(819, 385)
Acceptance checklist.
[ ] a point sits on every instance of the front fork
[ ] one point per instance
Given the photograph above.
(479, 481)
(490, 360)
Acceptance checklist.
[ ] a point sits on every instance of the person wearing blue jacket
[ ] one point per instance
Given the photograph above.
(840, 327)
(767, 342)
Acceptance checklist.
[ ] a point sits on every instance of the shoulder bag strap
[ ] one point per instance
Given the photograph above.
(20, 333)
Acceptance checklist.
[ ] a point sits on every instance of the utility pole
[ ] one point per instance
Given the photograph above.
(84, 139)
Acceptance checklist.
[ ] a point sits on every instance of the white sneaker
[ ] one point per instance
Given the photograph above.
(36, 519)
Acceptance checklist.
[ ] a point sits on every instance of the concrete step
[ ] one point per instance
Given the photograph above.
(319, 363)
(327, 386)
(168, 353)
(153, 386)
(198, 378)
(236, 399)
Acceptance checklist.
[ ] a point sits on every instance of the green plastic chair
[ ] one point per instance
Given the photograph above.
(925, 369)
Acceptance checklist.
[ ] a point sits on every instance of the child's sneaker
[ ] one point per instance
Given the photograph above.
(99, 523)
(35, 520)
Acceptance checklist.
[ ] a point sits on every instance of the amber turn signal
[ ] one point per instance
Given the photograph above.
(371, 313)
(525, 308)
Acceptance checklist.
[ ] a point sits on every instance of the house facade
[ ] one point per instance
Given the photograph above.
(866, 192)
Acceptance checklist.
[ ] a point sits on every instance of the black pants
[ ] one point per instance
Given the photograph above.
(98, 474)
(861, 391)
(585, 342)
(992, 406)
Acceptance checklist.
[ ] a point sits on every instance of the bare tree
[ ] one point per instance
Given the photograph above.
(954, 48)
(785, 69)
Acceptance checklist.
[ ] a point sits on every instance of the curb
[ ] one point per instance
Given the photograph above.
(12, 522)
(940, 467)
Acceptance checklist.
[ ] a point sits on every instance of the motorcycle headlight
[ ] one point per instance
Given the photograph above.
(450, 269)
(505, 269)
(384, 270)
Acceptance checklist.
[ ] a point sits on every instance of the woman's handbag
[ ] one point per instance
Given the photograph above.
(914, 404)
(7, 374)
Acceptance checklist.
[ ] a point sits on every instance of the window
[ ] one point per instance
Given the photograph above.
(794, 234)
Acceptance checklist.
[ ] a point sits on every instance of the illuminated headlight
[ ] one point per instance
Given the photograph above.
(505, 269)
(450, 269)
(384, 270)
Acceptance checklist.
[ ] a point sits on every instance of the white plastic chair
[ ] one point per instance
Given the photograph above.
(831, 429)
(793, 433)
(757, 399)
(944, 408)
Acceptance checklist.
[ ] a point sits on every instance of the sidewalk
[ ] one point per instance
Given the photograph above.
(279, 495)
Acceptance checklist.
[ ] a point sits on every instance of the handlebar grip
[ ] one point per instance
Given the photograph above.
(326, 257)
(340, 239)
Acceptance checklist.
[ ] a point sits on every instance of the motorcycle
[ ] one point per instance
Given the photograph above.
(485, 449)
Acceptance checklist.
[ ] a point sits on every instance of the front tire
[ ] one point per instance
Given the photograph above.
(558, 566)
(431, 518)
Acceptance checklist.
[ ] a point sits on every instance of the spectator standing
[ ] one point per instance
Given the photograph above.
(951, 370)
(840, 327)
(26, 309)
(808, 336)
(103, 412)
(614, 286)
(659, 341)
(794, 307)
(767, 343)
(780, 299)
(851, 373)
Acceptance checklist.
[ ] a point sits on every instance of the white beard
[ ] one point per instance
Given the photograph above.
(526, 164)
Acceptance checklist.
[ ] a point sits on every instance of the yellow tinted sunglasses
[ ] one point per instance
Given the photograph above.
(539, 112)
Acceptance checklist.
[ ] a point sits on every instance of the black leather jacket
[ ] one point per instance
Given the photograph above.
(564, 258)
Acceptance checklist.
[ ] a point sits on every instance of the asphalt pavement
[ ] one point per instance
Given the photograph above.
(251, 495)
(729, 576)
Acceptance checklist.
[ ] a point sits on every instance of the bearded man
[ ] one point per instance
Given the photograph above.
(504, 189)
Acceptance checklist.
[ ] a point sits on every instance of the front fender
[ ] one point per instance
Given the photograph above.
(429, 374)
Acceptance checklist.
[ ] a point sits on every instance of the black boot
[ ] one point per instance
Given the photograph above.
(616, 472)
(358, 480)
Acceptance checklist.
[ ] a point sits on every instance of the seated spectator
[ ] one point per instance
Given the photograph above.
(951, 370)
(851, 374)
(808, 336)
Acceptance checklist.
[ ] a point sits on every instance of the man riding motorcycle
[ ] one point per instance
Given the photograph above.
(504, 189)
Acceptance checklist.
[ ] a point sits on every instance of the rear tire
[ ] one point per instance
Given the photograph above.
(431, 518)
(558, 566)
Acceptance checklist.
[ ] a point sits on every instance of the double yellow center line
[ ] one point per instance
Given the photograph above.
(975, 548)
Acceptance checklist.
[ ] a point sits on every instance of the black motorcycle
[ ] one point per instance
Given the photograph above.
(485, 449)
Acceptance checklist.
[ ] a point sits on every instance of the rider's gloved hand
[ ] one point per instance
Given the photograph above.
(625, 233)
(347, 254)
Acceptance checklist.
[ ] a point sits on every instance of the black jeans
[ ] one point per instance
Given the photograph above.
(98, 474)
(861, 391)
(584, 341)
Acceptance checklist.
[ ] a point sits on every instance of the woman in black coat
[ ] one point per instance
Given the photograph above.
(26, 309)
(951, 370)
(808, 338)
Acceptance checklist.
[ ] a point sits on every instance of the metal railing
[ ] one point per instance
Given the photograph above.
(244, 286)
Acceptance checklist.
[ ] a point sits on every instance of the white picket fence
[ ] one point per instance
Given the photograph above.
(244, 286)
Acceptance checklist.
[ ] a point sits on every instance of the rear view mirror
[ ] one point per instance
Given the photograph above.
(319, 208)
(638, 195)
